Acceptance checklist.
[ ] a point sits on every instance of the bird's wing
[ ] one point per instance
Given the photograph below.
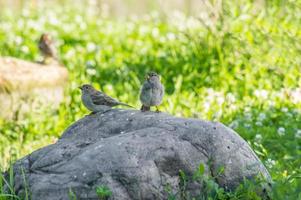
(146, 86)
(48, 47)
(100, 98)
(162, 90)
(51, 47)
(45, 48)
(53, 50)
(145, 92)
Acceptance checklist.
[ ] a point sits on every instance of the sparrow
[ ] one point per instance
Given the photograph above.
(97, 101)
(47, 47)
(152, 92)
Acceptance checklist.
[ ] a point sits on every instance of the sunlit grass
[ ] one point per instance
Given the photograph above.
(243, 69)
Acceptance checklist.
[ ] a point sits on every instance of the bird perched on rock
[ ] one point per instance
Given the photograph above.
(152, 92)
(97, 101)
(47, 47)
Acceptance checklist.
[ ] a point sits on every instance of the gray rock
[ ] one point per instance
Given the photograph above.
(137, 155)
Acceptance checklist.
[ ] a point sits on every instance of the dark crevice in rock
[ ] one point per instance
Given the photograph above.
(169, 166)
(84, 144)
(212, 170)
(198, 146)
(46, 171)
(30, 162)
(160, 174)
(130, 184)
(96, 179)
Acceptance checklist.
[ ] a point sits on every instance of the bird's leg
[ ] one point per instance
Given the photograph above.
(157, 109)
(145, 108)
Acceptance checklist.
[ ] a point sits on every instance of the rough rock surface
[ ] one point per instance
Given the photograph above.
(137, 155)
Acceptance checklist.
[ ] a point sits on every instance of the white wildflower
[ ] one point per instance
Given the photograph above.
(233, 124)
(91, 47)
(207, 106)
(155, 32)
(143, 30)
(53, 20)
(220, 100)
(258, 123)
(261, 117)
(78, 18)
(247, 109)
(263, 94)
(270, 163)
(288, 114)
(18, 40)
(285, 109)
(24, 49)
(70, 53)
(245, 17)
(25, 12)
(232, 107)
(91, 71)
(248, 116)
(83, 26)
(271, 103)
(162, 39)
(298, 134)
(230, 98)
(218, 114)
(247, 125)
(296, 96)
(281, 131)
(171, 36)
(258, 137)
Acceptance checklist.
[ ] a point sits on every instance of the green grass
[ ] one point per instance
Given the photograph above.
(103, 192)
(241, 68)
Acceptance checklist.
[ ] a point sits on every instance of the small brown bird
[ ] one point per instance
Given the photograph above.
(97, 101)
(152, 92)
(47, 48)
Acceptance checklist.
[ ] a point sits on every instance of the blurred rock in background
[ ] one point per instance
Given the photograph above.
(25, 86)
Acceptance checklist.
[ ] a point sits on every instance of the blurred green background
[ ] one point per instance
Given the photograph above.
(237, 62)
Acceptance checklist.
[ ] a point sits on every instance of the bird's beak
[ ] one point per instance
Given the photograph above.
(80, 87)
(147, 77)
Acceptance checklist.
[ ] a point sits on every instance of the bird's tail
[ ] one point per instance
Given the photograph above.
(124, 104)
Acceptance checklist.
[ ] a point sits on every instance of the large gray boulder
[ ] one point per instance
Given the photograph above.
(137, 155)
